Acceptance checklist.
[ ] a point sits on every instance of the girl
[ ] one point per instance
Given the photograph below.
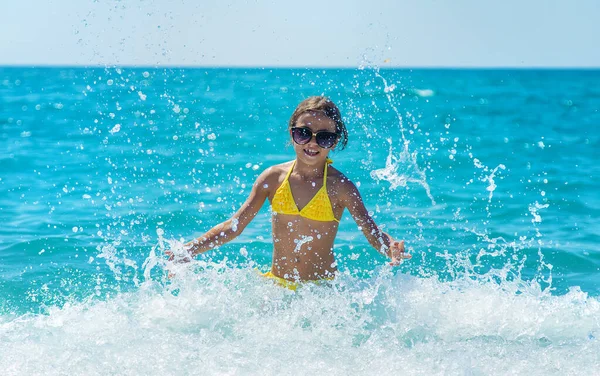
(308, 197)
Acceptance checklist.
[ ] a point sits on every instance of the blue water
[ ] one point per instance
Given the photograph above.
(490, 176)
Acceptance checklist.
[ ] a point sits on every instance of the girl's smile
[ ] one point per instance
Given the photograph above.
(311, 152)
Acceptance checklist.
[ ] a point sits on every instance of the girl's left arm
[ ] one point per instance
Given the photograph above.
(380, 240)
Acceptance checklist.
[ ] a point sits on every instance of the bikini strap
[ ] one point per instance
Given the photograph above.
(290, 171)
(327, 163)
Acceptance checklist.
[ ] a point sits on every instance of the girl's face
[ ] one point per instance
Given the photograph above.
(312, 153)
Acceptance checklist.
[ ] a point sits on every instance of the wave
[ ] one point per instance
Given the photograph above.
(230, 320)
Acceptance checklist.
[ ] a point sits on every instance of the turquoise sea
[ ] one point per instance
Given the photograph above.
(492, 177)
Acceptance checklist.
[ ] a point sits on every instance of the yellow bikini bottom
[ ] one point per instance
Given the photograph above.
(291, 285)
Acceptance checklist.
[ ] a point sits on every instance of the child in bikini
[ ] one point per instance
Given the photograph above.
(308, 197)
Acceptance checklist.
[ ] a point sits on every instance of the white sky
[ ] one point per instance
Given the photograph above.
(414, 33)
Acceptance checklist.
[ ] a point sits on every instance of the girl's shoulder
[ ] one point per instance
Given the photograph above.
(336, 179)
(275, 174)
(344, 189)
(279, 169)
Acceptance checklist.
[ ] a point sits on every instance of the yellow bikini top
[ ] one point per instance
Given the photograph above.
(318, 208)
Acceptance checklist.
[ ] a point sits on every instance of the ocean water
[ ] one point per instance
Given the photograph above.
(490, 176)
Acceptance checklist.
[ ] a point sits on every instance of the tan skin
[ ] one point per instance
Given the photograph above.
(303, 248)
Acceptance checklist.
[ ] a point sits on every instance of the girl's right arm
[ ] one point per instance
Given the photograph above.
(231, 228)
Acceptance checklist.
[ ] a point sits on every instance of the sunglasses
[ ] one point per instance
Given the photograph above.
(303, 135)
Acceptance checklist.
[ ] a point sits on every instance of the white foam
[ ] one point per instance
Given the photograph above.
(424, 93)
(232, 321)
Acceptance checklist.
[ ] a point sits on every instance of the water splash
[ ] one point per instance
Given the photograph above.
(229, 321)
(534, 209)
(537, 218)
(301, 242)
(115, 261)
(403, 167)
(489, 178)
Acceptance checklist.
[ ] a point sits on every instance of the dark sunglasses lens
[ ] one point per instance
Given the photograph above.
(326, 139)
(301, 135)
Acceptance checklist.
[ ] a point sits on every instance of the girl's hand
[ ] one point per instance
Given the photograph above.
(397, 252)
(178, 258)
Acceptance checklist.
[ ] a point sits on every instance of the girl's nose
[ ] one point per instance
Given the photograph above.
(313, 141)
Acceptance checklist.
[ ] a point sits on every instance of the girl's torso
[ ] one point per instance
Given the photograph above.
(303, 247)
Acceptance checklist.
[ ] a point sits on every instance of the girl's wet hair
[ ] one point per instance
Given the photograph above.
(326, 106)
